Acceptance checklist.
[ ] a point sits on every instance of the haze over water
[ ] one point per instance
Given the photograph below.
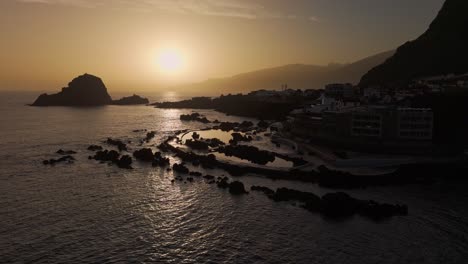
(88, 212)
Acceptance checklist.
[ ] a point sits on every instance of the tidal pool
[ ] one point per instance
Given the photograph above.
(209, 134)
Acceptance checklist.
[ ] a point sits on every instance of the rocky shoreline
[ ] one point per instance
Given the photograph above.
(240, 105)
(332, 205)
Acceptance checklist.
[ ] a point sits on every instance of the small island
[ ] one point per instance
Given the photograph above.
(85, 90)
(131, 100)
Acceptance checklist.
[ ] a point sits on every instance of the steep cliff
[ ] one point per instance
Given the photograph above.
(442, 49)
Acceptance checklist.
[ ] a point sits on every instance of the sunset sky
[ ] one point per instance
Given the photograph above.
(138, 45)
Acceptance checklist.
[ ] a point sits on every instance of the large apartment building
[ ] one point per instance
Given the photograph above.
(368, 126)
(415, 123)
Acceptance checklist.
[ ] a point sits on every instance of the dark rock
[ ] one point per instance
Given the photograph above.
(376, 211)
(228, 126)
(209, 177)
(94, 148)
(285, 194)
(339, 205)
(197, 144)
(246, 124)
(269, 192)
(250, 153)
(296, 161)
(106, 155)
(85, 90)
(214, 142)
(238, 137)
(67, 158)
(180, 168)
(335, 205)
(160, 161)
(195, 173)
(145, 154)
(65, 152)
(195, 135)
(118, 143)
(237, 187)
(150, 135)
(125, 162)
(223, 183)
(131, 100)
(263, 124)
(195, 117)
(341, 154)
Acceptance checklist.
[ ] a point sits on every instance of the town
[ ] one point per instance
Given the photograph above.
(397, 119)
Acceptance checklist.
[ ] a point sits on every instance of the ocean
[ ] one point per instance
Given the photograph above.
(87, 212)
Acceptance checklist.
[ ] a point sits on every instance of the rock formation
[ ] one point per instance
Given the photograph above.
(131, 100)
(84, 90)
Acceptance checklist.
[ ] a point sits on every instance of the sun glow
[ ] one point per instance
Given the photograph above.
(170, 61)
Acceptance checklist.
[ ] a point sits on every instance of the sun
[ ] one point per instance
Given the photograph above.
(170, 61)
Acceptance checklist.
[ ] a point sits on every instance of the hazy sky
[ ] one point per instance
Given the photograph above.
(45, 43)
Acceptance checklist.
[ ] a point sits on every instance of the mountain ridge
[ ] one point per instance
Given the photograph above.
(296, 76)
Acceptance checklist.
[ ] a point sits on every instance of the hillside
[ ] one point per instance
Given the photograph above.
(297, 76)
(442, 49)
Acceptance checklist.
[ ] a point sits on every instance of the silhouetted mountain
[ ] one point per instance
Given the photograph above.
(131, 100)
(85, 90)
(297, 76)
(442, 49)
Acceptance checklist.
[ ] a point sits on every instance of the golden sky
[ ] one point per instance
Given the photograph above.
(138, 45)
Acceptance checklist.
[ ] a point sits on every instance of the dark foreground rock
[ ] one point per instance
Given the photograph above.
(223, 182)
(113, 157)
(144, 154)
(65, 152)
(106, 155)
(180, 168)
(150, 136)
(197, 144)
(250, 153)
(160, 161)
(244, 105)
(195, 173)
(269, 192)
(125, 162)
(335, 205)
(263, 124)
(67, 158)
(118, 143)
(237, 187)
(131, 100)
(147, 155)
(94, 148)
(238, 137)
(209, 177)
(325, 177)
(85, 90)
(195, 117)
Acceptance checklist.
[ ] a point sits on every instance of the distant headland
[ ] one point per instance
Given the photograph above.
(86, 90)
